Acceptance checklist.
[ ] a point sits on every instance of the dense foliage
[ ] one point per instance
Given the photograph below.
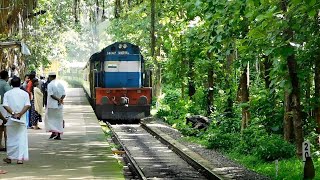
(252, 66)
(52, 31)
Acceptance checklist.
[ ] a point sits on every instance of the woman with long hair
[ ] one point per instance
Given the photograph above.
(36, 104)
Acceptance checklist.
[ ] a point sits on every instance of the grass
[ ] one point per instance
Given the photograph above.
(105, 129)
(287, 169)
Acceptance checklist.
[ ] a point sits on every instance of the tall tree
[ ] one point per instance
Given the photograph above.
(76, 11)
(117, 8)
(293, 74)
(317, 75)
(157, 65)
(244, 91)
(228, 79)
(210, 92)
(288, 120)
(191, 85)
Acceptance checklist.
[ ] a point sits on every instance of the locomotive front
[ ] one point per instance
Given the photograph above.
(120, 90)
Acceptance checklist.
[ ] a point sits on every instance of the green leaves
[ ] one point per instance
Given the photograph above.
(224, 37)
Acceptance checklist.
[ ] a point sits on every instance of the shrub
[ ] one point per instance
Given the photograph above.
(162, 113)
(250, 138)
(274, 147)
(256, 140)
(229, 125)
(188, 131)
(222, 141)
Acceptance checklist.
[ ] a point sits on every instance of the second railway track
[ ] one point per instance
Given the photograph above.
(150, 158)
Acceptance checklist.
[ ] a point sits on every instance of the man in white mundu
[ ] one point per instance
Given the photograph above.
(16, 102)
(54, 113)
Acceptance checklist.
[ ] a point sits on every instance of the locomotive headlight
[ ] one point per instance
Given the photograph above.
(123, 46)
(124, 101)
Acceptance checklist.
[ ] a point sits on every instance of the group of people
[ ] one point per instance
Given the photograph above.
(22, 107)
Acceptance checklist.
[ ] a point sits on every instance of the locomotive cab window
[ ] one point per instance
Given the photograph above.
(97, 66)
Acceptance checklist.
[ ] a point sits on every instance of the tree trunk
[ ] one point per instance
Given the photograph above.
(317, 92)
(182, 90)
(228, 71)
(308, 95)
(157, 86)
(182, 65)
(191, 85)
(317, 82)
(153, 37)
(103, 16)
(210, 91)
(288, 121)
(4, 14)
(97, 10)
(75, 11)
(1, 57)
(295, 103)
(117, 9)
(244, 80)
(157, 75)
(9, 14)
(295, 92)
(267, 68)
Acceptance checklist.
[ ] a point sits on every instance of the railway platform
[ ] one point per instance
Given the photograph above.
(83, 152)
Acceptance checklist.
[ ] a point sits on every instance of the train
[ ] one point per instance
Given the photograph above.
(117, 84)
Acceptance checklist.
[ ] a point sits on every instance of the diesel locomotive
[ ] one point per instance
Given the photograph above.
(117, 84)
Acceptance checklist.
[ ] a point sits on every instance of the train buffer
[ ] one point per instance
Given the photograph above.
(83, 152)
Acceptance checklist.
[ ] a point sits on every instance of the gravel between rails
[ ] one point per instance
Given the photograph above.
(236, 170)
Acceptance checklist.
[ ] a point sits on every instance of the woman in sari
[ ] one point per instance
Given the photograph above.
(36, 105)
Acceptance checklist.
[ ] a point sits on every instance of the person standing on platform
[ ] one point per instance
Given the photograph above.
(25, 82)
(17, 103)
(41, 82)
(29, 89)
(54, 114)
(4, 87)
(44, 89)
(36, 105)
(13, 72)
(3, 120)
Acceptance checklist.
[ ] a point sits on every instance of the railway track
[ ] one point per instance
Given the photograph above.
(150, 157)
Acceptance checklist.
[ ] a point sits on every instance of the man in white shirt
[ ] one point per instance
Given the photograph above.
(54, 113)
(16, 102)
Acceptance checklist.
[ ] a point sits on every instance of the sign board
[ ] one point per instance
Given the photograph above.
(306, 150)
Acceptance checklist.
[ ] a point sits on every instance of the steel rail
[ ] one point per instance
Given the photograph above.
(133, 163)
(202, 169)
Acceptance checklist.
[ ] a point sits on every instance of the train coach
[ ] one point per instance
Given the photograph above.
(117, 84)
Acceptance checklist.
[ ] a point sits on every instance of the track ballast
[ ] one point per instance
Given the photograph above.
(152, 159)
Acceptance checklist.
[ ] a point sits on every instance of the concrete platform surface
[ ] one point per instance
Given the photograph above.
(83, 152)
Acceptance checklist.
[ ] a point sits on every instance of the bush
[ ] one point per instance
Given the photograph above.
(256, 140)
(274, 147)
(250, 139)
(187, 130)
(222, 141)
(162, 113)
(229, 125)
